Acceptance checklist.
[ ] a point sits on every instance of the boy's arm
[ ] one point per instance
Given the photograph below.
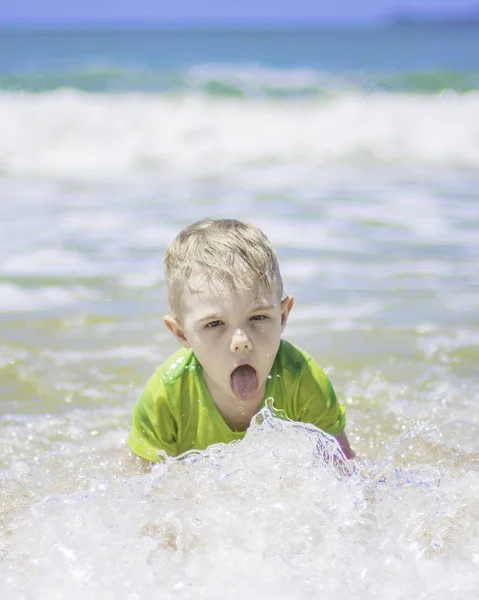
(141, 464)
(134, 464)
(323, 409)
(343, 442)
(153, 426)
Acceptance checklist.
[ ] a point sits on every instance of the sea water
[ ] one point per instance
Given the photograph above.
(357, 152)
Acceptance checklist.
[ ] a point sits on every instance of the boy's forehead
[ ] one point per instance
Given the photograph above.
(203, 297)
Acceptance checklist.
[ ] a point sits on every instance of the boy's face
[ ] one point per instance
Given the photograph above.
(235, 336)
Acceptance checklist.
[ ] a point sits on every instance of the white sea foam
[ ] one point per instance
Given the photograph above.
(51, 261)
(145, 279)
(14, 298)
(119, 353)
(327, 312)
(296, 525)
(75, 135)
(254, 80)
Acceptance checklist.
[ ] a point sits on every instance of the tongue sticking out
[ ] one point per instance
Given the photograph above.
(244, 382)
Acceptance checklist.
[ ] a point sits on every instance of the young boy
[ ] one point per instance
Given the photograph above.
(228, 310)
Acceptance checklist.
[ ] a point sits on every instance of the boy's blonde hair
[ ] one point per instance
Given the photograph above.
(231, 254)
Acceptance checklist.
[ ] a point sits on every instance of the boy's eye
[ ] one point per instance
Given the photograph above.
(259, 318)
(214, 324)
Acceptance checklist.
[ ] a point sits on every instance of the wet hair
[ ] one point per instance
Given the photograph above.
(231, 255)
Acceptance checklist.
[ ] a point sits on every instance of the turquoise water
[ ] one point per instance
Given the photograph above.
(401, 58)
(357, 152)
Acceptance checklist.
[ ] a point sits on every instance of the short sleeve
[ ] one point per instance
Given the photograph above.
(154, 427)
(319, 404)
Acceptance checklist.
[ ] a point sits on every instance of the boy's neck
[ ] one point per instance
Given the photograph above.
(238, 418)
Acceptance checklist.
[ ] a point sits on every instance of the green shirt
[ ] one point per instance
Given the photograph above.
(176, 412)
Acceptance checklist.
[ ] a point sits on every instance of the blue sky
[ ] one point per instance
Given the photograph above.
(39, 11)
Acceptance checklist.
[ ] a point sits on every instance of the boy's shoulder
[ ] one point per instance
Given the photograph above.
(292, 357)
(181, 362)
(295, 367)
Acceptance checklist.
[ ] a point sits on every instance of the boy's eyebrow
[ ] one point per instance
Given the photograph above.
(218, 316)
(212, 317)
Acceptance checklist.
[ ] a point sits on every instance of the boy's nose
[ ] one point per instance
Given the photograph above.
(240, 342)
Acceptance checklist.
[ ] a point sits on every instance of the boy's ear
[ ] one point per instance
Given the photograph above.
(286, 306)
(176, 329)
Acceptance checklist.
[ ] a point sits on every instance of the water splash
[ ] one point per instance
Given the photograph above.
(280, 514)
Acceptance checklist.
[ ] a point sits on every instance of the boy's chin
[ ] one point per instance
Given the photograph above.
(246, 397)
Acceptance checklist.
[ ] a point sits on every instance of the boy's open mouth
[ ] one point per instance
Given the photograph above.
(244, 382)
